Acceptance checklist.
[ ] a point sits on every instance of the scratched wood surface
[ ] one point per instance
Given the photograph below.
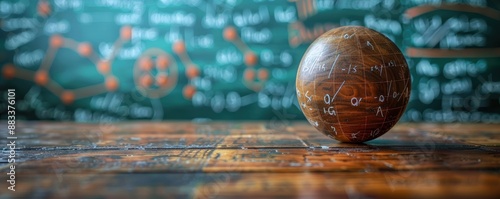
(250, 160)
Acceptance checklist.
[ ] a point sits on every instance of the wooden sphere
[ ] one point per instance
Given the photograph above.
(353, 84)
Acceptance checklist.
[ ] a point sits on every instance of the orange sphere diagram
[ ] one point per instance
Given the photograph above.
(353, 84)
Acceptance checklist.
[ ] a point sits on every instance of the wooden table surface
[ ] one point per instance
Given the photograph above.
(266, 159)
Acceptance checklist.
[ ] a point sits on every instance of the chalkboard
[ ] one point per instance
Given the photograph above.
(112, 60)
(455, 54)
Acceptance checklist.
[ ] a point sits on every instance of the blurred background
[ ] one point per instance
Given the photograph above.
(114, 60)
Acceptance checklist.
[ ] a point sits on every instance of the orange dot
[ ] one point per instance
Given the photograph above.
(188, 91)
(85, 49)
(41, 77)
(161, 80)
(162, 62)
(250, 59)
(179, 47)
(56, 41)
(230, 33)
(43, 8)
(263, 74)
(192, 71)
(126, 33)
(146, 81)
(249, 74)
(145, 64)
(104, 67)
(67, 97)
(111, 83)
(9, 71)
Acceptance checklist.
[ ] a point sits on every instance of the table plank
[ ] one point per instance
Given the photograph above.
(257, 160)
(47, 135)
(250, 159)
(402, 184)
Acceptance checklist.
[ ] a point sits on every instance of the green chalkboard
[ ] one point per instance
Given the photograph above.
(111, 60)
(454, 53)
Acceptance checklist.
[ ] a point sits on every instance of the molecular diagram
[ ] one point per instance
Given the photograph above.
(253, 78)
(56, 42)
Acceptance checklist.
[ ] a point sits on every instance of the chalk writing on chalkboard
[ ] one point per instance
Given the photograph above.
(454, 52)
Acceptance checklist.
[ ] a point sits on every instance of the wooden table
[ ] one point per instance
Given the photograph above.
(264, 159)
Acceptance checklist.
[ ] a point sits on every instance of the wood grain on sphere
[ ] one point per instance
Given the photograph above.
(353, 84)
